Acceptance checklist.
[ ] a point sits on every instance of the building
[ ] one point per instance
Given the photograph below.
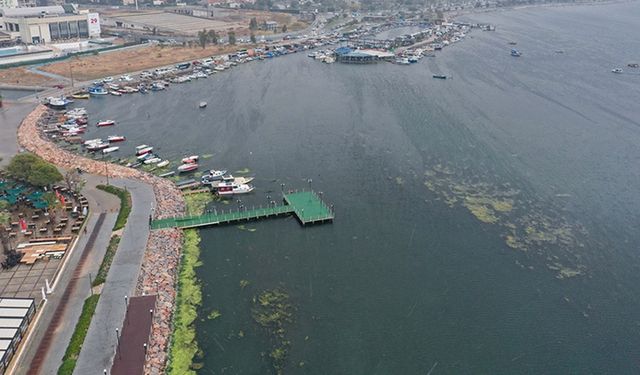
(270, 25)
(15, 316)
(8, 3)
(36, 25)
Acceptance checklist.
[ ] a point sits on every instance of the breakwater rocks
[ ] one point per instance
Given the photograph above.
(158, 271)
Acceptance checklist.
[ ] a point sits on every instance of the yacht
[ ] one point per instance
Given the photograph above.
(239, 189)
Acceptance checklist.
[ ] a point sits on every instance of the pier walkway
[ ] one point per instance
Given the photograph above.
(305, 205)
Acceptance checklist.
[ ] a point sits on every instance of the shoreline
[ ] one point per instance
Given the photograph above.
(158, 271)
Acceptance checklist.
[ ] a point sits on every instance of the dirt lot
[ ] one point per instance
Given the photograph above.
(23, 77)
(131, 60)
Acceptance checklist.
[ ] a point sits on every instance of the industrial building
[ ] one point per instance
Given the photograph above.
(15, 316)
(37, 25)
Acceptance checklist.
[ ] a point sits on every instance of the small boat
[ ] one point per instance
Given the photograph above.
(231, 181)
(239, 189)
(115, 93)
(440, 76)
(558, 51)
(167, 174)
(213, 175)
(202, 104)
(144, 150)
(616, 70)
(116, 138)
(57, 103)
(81, 96)
(96, 91)
(513, 43)
(163, 163)
(105, 123)
(403, 61)
(97, 146)
(110, 149)
(188, 167)
(146, 156)
(633, 65)
(515, 53)
(190, 159)
(154, 160)
(92, 141)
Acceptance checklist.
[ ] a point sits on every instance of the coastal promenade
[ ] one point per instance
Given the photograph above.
(157, 274)
(99, 345)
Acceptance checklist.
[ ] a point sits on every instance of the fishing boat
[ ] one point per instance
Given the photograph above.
(154, 160)
(202, 104)
(190, 159)
(105, 123)
(110, 149)
(187, 167)
(616, 70)
(80, 96)
(143, 150)
(57, 103)
(515, 53)
(239, 189)
(440, 76)
(116, 138)
(163, 163)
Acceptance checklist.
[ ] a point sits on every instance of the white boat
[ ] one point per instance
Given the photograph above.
(106, 123)
(155, 160)
(143, 151)
(92, 141)
(97, 146)
(116, 138)
(616, 70)
(202, 104)
(98, 91)
(115, 93)
(163, 163)
(57, 103)
(240, 189)
(110, 149)
(232, 182)
(403, 61)
(146, 156)
(213, 175)
(188, 167)
(190, 159)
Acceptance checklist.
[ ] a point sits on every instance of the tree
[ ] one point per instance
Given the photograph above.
(203, 36)
(44, 174)
(213, 36)
(20, 165)
(73, 180)
(253, 38)
(253, 24)
(284, 28)
(5, 219)
(232, 37)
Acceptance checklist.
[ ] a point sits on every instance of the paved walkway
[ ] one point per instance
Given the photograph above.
(99, 346)
(10, 116)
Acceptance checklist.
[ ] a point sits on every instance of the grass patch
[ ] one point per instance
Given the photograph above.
(73, 350)
(125, 204)
(101, 277)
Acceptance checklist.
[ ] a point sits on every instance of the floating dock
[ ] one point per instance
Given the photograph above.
(306, 206)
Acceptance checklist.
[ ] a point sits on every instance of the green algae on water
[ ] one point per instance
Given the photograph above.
(273, 311)
(184, 346)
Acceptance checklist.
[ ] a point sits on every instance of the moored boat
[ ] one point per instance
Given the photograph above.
(143, 150)
(163, 163)
(80, 96)
(110, 149)
(213, 175)
(188, 167)
(440, 76)
(239, 189)
(105, 123)
(97, 146)
(116, 138)
(154, 160)
(616, 70)
(190, 159)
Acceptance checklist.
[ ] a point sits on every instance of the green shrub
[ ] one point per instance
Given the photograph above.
(73, 350)
(125, 204)
(101, 277)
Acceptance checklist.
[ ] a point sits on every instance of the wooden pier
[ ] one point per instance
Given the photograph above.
(306, 206)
